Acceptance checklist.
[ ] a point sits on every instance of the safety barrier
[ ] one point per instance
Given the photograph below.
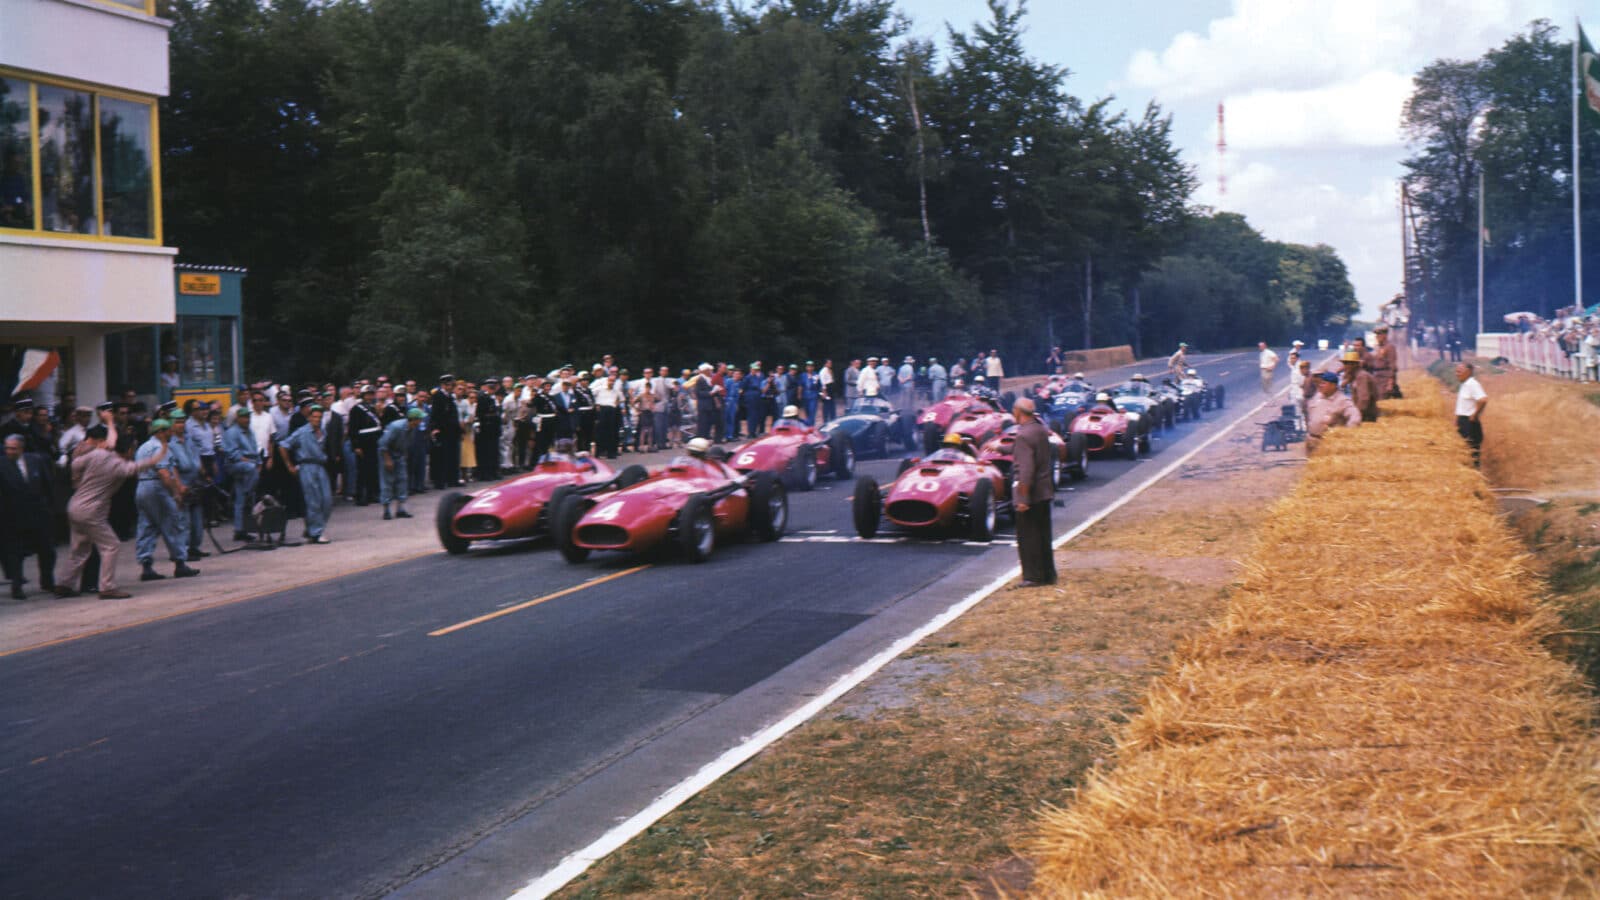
(1544, 355)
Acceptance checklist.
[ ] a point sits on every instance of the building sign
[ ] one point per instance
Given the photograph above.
(207, 285)
(219, 397)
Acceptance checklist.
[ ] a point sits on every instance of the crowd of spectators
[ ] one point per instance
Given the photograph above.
(161, 475)
(1567, 345)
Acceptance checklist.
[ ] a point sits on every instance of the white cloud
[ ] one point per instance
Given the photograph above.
(1363, 112)
(1297, 44)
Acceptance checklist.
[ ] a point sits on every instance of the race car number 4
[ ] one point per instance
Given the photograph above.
(608, 512)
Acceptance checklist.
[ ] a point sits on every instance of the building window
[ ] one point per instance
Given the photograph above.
(66, 160)
(96, 171)
(16, 154)
(125, 147)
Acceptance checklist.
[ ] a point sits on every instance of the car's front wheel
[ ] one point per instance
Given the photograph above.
(769, 507)
(867, 506)
(697, 534)
(980, 512)
(566, 508)
(444, 520)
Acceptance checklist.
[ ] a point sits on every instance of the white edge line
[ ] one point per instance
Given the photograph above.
(579, 861)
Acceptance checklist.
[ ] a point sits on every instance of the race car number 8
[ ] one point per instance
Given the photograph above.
(609, 511)
(745, 459)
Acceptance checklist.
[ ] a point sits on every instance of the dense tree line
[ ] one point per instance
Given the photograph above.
(1505, 116)
(444, 183)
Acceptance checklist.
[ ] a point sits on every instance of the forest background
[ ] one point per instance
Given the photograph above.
(447, 184)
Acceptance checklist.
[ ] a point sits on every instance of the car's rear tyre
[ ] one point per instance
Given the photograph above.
(1222, 395)
(566, 508)
(932, 434)
(444, 519)
(980, 512)
(842, 456)
(803, 471)
(1078, 456)
(867, 506)
(631, 476)
(1145, 426)
(697, 534)
(1128, 444)
(769, 507)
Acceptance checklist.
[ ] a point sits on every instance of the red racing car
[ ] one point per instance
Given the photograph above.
(950, 491)
(796, 453)
(981, 423)
(1109, 430)
(520, 508)
(690, 503)
(1071, 455)
(933, 419)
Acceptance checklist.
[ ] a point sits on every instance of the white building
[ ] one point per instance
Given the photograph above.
(81, 252)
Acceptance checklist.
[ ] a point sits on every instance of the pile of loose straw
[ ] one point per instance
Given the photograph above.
(1374, 714)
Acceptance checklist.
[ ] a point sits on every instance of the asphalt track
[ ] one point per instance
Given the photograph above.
(452, 727)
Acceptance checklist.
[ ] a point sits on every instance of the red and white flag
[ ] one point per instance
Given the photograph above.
(37, 367)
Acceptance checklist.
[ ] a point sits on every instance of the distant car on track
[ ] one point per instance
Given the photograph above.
(520, 508)
(872, 423)
(1109, 431)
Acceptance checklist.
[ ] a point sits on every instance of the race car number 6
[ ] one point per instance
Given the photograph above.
(746, 459)
(609, 511)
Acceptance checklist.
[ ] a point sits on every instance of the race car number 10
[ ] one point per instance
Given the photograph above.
(927, 485)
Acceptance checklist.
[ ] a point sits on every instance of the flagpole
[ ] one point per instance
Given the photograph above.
(1480, 248)
(1577, 202)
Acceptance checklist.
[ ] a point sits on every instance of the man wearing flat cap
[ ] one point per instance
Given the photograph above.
(305, 455)
(24, 423)
(1328, 408)
(158, 497)
(444, 433)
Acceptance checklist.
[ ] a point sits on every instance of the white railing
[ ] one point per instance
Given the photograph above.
(1534, 352)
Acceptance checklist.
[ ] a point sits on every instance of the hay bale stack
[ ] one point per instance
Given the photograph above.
(1373, 715)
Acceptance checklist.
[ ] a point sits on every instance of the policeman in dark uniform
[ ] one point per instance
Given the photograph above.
(364, 429)
(444, 431)
(543, 413)
(24, 423)
(583, 413)
(487, 441)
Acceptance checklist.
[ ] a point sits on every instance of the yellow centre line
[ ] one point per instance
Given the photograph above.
(536, 601)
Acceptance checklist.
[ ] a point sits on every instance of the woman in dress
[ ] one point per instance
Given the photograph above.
(467, 410)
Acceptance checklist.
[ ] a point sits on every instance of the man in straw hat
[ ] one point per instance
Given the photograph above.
(1358, 383)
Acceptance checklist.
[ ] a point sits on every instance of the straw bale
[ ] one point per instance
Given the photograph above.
(1374, 714)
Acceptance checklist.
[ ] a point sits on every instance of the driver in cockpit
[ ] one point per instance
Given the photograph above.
(563, 451)
(790, 418)
(703, 456)
(1103, 402)
(956, 448)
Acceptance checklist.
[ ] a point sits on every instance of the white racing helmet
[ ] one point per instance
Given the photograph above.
(791, 412)
(698, 447)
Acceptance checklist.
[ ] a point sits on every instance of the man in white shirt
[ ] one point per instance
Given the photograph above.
(867, 381)
(1269, 366)
(825, 385)
(1470, 401)
(993, 371)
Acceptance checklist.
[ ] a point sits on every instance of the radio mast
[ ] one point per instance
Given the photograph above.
(1222, 154)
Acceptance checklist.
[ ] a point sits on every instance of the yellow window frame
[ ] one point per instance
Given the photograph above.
(153, 103)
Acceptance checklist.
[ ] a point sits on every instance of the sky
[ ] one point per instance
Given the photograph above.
(1313, 91)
